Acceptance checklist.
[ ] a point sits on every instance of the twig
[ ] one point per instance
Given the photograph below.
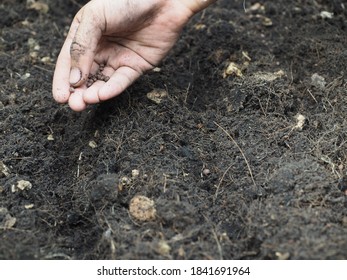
(220, 251)
(75, 3)
(215, 236)
(312, 95)
(242, 153)
(244, 6)
(220, 182)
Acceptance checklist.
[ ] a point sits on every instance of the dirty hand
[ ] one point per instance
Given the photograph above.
(126, 37)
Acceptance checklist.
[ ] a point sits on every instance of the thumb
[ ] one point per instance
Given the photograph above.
(84, 43)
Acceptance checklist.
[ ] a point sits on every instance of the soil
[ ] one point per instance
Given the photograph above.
(244, 158)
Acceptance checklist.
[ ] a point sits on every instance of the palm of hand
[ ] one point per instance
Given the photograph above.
(128, 45)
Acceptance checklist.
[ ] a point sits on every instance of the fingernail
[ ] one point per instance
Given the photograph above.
(75, 75)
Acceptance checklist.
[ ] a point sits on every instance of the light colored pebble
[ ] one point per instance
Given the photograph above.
(135, 173)
(92, 144)
(21, 186)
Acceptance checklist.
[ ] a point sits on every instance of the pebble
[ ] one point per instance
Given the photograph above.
(135, 173)
(21, 186)
(318, 81)
(92, 144)
(206, 172)
(163, 248)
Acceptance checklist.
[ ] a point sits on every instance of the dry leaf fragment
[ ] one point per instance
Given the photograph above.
(142, 208)
(256, 7)
(6, 220)
(38, 6)
(163, 248)
(92, 144)
(318, 81)
(267, 76)
(9, 221)
(232, 69)
(4, 171)
(157, 95)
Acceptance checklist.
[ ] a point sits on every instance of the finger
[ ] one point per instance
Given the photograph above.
(91, 96)
(61, 84)
(122, 78)
(84, 43)
(76, 101)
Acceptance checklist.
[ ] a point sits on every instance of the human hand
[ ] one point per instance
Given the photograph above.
(129, 37)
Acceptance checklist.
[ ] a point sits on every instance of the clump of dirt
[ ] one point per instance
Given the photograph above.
(237, 163)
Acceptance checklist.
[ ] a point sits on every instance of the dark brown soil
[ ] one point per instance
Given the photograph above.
(247, 167)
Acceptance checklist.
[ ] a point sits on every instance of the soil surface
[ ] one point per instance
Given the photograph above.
(239, 150)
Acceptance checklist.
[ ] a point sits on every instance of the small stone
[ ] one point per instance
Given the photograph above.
(256, 7)
(142, 208)
(282, 256)
(266, 21)
(326, 15)
(135, 173)
(206, 172)
(92, 144)
(25, 76)
(21, 186)
(46, 59)
(163, 248)
(38, 6)
(200, 26)
(300, 121)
